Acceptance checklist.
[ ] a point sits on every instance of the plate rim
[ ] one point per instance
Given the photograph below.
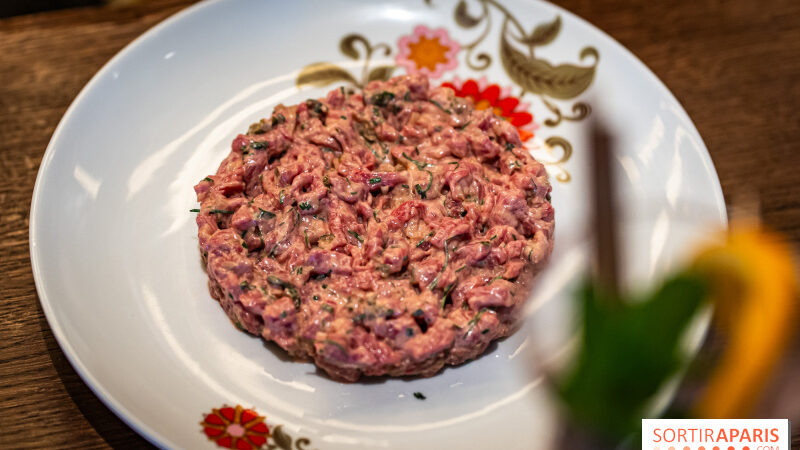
(100, 390)
(97, 388)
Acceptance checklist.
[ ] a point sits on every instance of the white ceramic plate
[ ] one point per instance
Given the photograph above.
(114, 246)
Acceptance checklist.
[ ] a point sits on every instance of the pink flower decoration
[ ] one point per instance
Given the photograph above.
(426, 51)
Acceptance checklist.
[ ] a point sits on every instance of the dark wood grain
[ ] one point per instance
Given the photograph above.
(45, 59)
(734, 65)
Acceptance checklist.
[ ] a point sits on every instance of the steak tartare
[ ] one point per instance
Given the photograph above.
(383, 232)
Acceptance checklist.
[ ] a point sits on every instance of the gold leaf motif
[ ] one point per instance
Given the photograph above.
(347, 45)
(484, 61)
(566, 148)
(538, 76)
(580, 111)
(321, 74)
(544, 33)
(301, 443)
(590, 51)
(382, 73)
(282, 440)
(463, 19)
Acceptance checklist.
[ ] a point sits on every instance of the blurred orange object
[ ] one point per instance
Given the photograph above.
(755, 293)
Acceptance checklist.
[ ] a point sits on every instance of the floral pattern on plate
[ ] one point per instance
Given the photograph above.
(433, 52)
(243, 429)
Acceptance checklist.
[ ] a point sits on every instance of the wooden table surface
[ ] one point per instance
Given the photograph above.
(734, 65)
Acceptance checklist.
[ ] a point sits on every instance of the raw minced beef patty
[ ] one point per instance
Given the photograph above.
(390, 231)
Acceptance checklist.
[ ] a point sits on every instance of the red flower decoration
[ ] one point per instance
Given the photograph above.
(500, 100)
(237, 428)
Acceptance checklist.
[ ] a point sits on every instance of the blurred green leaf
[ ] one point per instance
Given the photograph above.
(629, 348)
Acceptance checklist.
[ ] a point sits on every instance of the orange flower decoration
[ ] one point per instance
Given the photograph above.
(500, 100)
(237, 428)
(426, 51)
